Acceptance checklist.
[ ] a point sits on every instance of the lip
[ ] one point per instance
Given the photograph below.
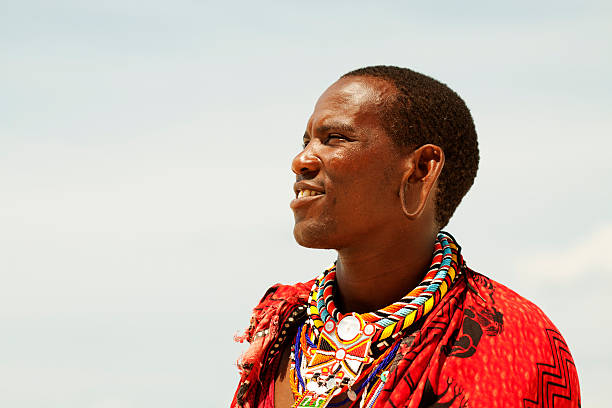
(304, 185)
(298, 202)
(302, 201)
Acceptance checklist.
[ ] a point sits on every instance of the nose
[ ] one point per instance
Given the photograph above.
(306, 164)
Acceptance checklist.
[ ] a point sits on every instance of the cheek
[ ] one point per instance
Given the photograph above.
(350, 170)
(368, 175)
(392, 177)
(364, 180)
(346, 162)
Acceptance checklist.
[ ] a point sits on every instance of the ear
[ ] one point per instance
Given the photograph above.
(423, 167)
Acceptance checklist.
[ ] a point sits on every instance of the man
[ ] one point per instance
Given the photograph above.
(399, 320)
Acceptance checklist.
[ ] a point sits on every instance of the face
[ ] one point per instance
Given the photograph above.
(349, 173)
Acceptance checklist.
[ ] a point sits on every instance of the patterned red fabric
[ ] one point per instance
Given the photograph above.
(257, 368)
(482, 346)
(267, 398)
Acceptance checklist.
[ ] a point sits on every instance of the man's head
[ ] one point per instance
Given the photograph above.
(375, 150)
(424, 111)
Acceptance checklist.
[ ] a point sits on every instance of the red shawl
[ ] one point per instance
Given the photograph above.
(483, 345)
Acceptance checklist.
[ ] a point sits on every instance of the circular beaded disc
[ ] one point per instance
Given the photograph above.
(348, 328)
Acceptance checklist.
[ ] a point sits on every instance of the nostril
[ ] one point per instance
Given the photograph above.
(305, 163)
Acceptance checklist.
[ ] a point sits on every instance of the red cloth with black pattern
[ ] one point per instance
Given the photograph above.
(483, 345)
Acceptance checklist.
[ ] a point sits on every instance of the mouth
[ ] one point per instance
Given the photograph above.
(307, 193)
(304, 197)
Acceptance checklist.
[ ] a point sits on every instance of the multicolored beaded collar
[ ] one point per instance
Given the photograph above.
(334, 352)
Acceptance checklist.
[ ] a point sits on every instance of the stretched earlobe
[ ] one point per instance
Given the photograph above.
(406, 201)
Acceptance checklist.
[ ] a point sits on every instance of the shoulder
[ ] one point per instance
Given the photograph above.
(280, 294)
(274, 307)
(274, 317)
(281, 298)
(514, 307)
(518, 337)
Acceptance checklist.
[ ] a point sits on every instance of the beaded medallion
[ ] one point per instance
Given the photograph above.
(337, 361)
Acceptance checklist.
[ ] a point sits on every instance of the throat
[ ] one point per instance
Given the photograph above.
(368, 286)
(371, 277)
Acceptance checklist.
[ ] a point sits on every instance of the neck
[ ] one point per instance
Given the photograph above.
(372, 276)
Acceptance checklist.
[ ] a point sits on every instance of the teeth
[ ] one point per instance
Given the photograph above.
(307, 193)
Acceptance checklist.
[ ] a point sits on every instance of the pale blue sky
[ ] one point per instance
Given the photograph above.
(145, 176)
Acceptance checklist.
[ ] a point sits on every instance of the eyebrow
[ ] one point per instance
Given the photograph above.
(336, 126)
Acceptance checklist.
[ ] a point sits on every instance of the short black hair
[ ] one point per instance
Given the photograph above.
(427, 111)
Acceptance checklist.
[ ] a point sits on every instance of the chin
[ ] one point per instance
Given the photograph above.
(313, 236)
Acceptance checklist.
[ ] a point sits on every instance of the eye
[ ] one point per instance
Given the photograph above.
(335, 136)
(305, 143)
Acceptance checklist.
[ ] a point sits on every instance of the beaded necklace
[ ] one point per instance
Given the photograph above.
(334, 353)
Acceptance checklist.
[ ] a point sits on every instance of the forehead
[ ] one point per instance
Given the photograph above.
(352, 100)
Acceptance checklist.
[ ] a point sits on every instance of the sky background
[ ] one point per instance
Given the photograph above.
(145, 176)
